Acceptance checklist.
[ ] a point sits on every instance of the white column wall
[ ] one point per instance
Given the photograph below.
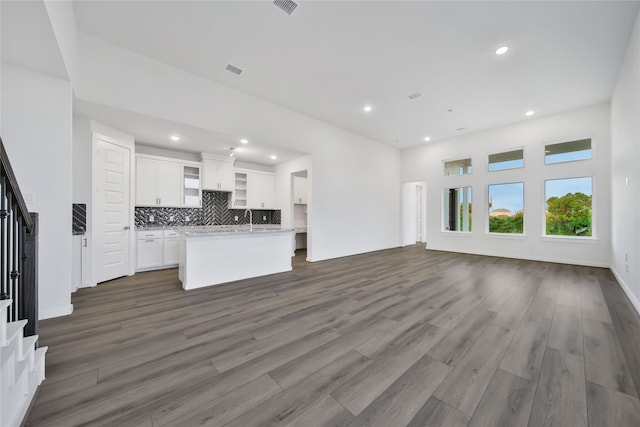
(36, 130)
(625, 164)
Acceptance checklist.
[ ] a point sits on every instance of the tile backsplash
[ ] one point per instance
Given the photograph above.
(215, 211)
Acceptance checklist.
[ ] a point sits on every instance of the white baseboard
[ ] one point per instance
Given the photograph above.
(627, 290)
(55, 312)
(528, 258)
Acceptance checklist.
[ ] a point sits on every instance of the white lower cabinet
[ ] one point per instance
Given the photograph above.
(149, 250)
(171, 252)
(157, 249)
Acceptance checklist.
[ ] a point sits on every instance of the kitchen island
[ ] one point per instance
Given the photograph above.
(215, 255)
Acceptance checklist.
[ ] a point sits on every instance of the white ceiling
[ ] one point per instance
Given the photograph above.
(157, 132)
(330, 58)
(32, 43)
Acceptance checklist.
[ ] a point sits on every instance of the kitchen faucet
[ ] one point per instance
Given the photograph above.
(250, 218)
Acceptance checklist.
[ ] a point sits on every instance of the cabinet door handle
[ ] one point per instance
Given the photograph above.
(126, 227)
(150, 240)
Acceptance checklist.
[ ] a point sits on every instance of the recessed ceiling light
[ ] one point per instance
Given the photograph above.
(273, 157)
(175, 138)
(244, 141)
(529, 113)
(427, 138)
(367, 108)
(502, 50)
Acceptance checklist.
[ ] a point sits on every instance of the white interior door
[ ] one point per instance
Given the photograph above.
(111, 204)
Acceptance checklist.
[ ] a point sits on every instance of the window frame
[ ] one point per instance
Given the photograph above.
(566, 140)
(555, 237)
(524, 222)
(456, 159)
(442, 212)
(507, 151)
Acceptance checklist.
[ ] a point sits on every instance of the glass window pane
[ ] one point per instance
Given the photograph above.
(458, 167)
(457, 209)
(567, 151)
(507, 160)
(568, 206)
(506, 208)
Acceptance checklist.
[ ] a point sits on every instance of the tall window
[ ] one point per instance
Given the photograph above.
(567, 151)
(458, 167)
(506, 160)
(568, 206)
(457, 209)
(506, 208)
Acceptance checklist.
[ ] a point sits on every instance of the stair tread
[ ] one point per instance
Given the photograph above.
(28, 344)
(40, 352)
(5, 303)
(13, 330)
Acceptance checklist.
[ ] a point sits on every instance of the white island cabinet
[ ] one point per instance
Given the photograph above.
(214, 256)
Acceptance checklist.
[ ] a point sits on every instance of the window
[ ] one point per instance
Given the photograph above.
(457, 209)
(507, 160)
(568, 207)
(458, 167)
(567, 151)
(506, 208)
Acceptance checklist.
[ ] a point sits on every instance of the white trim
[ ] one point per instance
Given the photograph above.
(166, 159)
(55, 312)
(634, 301)
(528, 258)
(569, 239)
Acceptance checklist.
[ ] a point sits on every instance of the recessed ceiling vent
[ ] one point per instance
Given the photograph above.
(415, 95)
(287, 6)
(235, 70)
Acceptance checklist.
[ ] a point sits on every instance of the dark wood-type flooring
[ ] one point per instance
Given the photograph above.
(401, 337)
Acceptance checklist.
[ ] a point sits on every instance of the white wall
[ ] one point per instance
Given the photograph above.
(425, 164)
(625, 162)
(356, 184)
(36, 127)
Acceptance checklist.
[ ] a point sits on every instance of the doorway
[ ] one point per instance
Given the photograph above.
(299, 215)
(414, 213)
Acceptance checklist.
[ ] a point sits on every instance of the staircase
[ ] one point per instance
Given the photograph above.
(22, 369)
(22, 362)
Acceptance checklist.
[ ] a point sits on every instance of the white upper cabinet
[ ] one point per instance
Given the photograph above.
(161, 182)
(217, 173)
(254, 190)
(146, 182)
(262, 190)
(169, 178)
(299, 190)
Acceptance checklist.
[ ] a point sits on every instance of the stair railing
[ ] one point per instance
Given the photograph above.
(18, 250)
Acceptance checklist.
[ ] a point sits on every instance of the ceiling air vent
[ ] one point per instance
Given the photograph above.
(415, 95)
(235, 70)
(287, 6)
